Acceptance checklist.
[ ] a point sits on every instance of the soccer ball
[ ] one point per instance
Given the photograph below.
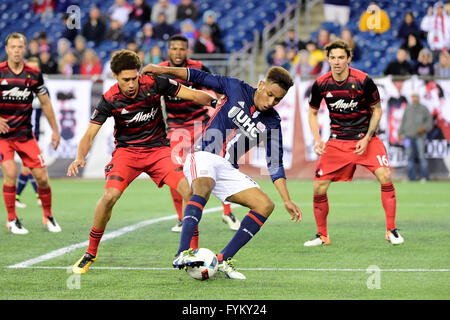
(209, 267)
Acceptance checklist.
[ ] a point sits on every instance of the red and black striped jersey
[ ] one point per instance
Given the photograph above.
(349, 103)
(16, 98)
(138, 121)
(182, 113)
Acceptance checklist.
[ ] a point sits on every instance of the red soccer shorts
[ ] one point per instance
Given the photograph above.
(182, 139)
(128, 163)
(28, 151)
(339, 162)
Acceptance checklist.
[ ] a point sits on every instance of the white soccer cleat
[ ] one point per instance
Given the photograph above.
(51, 224)
(16, 227)
(20, 205)
(178, 226)
(319, 240)
(229, 269)
(185, 259)
(232, 221)
(394, 237)
(39, 202)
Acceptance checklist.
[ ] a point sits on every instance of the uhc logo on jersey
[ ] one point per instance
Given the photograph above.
(244, 122)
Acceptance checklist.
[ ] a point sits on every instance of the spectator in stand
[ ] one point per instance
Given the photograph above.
(374, 19)
(408, 26)
(316, 57)
(447, 8)
(80, 47)
(424, 65)
(190, 32)
(346, 35)
(278, 57)
(70, 30)
(204, 43)
(437, 26)
(68, 65)
(33, 49)
(442, 67)
(337, 11)
(120, 12)
(323, 38)
(141, 11)
(187, 9)
(293, 42)
(400, 66)
(91, 64)
(132, 46)
(413, 46)
(94, 29)
(62, 47)
(210, 19)
(163, 30)
(44, 43)
(44, 8)
(145, 38)
(155, 55)
(114, 32)
(300, 65)
(47, 63)
(164, 6)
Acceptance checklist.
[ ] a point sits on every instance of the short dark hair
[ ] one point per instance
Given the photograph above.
(280, 76)
(16, 35)
(338, 44)
(177, 37)
(125, 60)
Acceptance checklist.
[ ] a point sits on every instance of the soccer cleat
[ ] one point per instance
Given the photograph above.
(50, 223)
(16, 227)
(178, 226)
(319, 240)
(39, 202)
(185, 259)
(82, 265)
(231, 220)
(19, 204)
(229, 269)
(394, 237)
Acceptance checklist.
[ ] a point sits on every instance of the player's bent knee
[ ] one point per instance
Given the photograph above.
(111, 195)
(383, 175)
(265, 207)
(321, 187)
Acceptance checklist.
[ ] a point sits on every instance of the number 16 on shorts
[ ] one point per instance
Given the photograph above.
(383, 160)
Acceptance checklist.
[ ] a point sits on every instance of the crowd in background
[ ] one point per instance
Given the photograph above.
(424, 48)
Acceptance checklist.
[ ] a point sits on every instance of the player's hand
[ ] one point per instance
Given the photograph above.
(294, 211)
(361, 146)
(56, 138)
(4, 127)
(73, 168)
(319, 148)
(152, 69)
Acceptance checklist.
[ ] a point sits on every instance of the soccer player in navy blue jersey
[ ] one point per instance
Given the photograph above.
(244, 118)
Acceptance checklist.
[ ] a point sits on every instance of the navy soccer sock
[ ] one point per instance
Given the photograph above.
(192, 216)
(33, 183)
(21, 183)
(250, 225)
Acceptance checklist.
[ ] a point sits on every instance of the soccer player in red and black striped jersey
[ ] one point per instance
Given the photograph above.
(140, 137)
(18, 84)
(186, 120)
(354, 107)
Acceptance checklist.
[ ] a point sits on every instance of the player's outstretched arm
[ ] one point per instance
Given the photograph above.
(47, 108)
(198, 96)
(177, 72)
(291, 207)
(83, 149)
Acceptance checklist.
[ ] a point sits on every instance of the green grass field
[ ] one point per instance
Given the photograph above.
(137, 264)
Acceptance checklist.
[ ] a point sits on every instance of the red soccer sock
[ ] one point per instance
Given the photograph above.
(194, 240)
(226, 208)
(321, 208)
(389, 202)
(45, 194)
(177, 202)
(9, 196)
(94, 240)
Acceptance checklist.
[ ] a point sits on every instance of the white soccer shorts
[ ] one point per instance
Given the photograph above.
(228, 180)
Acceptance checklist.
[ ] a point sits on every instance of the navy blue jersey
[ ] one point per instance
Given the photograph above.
(237, 126)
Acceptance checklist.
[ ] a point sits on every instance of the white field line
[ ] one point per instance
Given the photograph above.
(106, 236)
(250, 269)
